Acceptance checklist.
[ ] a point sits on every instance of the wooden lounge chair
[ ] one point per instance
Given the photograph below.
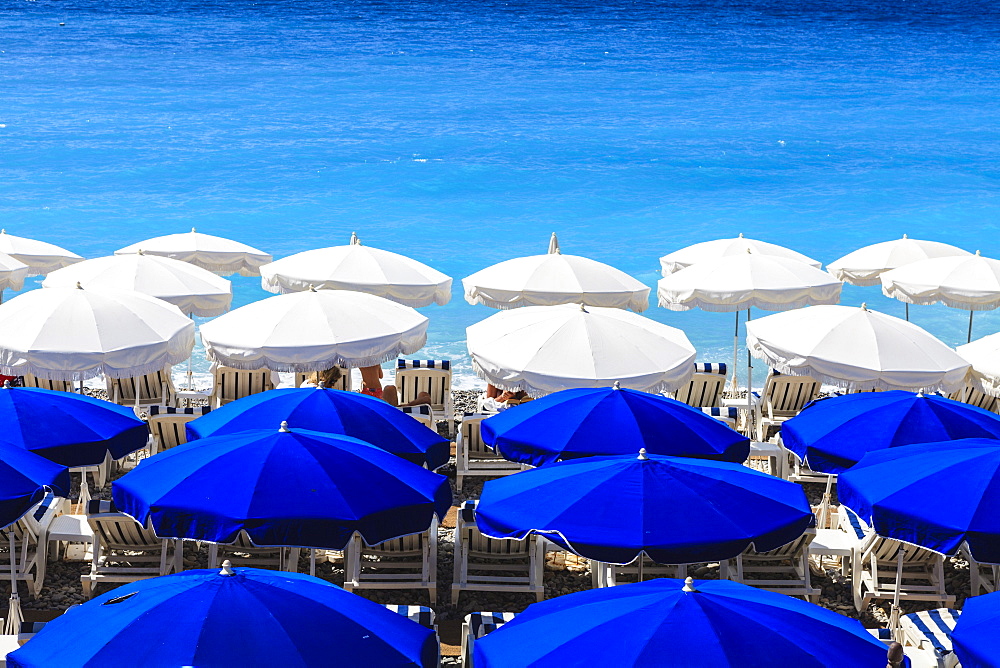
(232, 384)
(490, 564)
(758, 569)
(124, 550)
(432, 377)
(409, 562)
(475, 458)
(167, 425)
(146, 390)
(781, 399)
(476, 625)
(29, 537)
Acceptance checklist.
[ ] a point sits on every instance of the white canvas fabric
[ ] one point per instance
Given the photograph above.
(855, 348)
(737, 282)
(968, 282)
(191, 289)
(544, 349)
(218, 255)
(313, 331)
(711, 250)
(76, 334)
(553, 278)
(12, 273)
(359, 268)
(984, 356)
(864, 266)
(40, 256)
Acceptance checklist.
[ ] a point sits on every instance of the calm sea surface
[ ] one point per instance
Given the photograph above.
(464, 133)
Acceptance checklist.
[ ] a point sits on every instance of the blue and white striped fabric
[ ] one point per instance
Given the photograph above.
(933, 625)
(710, 367)
(481, 623)
(422, 409)
(468, 511)
(444, 365)
(44, 507)
(726, 412)
(859, 527)
(101, 506)
(420, 614)
(171, 410)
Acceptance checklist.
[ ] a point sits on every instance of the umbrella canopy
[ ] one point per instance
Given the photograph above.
(41, 257)
(864, 266)
(855, 348)
(191, 289)
(12, 273)
(66, 428)
(675, 510)
(984, 356)
(711, 250)
(936, 495)
(835, 433)
(554, 278)
(24, 479)
(218, 255)
(543, 349)
(975, 634)
(297, 488)
(75, 334)
(667, 622)
(359, 268)
(609, 421)
(333, 412)
(737, 282)
(313, 331)
(968, 282)
(236, 617)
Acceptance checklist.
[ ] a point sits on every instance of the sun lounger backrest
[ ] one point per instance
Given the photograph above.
(705, 388)
(472, 439)
(420, 614)
(413, 544)
(153, 388)
(232, 384)
(27, 380)
(167, 424)
(789, 394)
(484, 545)
(430, 376)
(975, 397)
(116, 530)
(481, 623)
(788, 549)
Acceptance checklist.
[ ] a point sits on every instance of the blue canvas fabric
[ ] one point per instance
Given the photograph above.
(676, 510)
(605, 421)
(975, 636)
(66, 428)
(936, 495)
(249, 619)
(656, 623)
(835, 433)
(297, 488)
(24, 480)
(332, 412)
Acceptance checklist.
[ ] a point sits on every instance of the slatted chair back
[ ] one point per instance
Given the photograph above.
(432, 377)
(28, 380)
(473, 457)
(785, 396)
(343, 384)
(482, 545)
(472, 439)
(706, 385)
(233, 384)
(422, 413)
(152, 388)
(242, 552)
(788, 549)
(975, 397)
(421, 614)
(168, 424)
(118, 531)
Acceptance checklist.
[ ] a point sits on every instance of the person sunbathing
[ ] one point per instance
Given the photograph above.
(371, 384)
(328, 378)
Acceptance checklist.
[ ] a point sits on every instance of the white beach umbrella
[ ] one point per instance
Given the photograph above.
(711, 250)
(984, 356)
(12, 273)
(554, 278)
(192, 289)
(218, 255)
(855, 348)
(76, 334)
(544, 349)
(41, 257)
(359, 268)
(313, 331)
(864, 266)
(968, 282)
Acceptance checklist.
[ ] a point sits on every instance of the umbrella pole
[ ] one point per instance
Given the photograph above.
(749, 384)
(736, 352)
(824, 506)
(641, 556)
(969, 340)
(907, 305)
(312, 562)
(12, 626)
(894, 615)
(190, 383)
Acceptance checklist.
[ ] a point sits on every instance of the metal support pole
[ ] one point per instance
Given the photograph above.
(969, 340)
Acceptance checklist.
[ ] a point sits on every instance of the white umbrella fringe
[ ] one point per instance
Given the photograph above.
(49, 373)
(236, 362)
(638, 303)
(761, 304)
(572, 383)
(283, 286)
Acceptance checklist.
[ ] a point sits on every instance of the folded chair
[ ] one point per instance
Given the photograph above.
(242, 552)
(490, 564)
(409, 562)
(152, 388)
(475, 458)
(232, 384)
(30, 539)
(927, 638)
(432, 377)
(167, 425)
(27, 380)
(124, 550)
(476, 625)
(764, 569)
(343, 384)
(781, 399)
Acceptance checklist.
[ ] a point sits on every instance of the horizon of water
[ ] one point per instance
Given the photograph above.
(463, 134)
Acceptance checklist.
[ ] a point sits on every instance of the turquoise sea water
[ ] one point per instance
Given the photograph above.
(464, 133)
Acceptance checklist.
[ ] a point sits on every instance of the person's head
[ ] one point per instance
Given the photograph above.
(328, 378)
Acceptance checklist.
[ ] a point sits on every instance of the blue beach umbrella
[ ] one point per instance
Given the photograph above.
(834, 434)
(975, 636)
(667, 622)
(24, 480)
(609, 421)
(676, 510)
(243, 617)
(935, 495)
(293, 488)
(67, 428)
(331, 411)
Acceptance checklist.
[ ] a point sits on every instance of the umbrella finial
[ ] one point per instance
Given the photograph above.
(977, 252)
(139, 252)
(6, 385)
(905, 237)
(618, 385)
(688, 584)
(312, 288)
(354, 239)
(554, 245)
(227, 568)
(193, 230)
(920, 392)
(642, 455)
(864, 306)
(78, 286)
(583, 307)
(741, 235)
(3, 231)
(283, 429)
